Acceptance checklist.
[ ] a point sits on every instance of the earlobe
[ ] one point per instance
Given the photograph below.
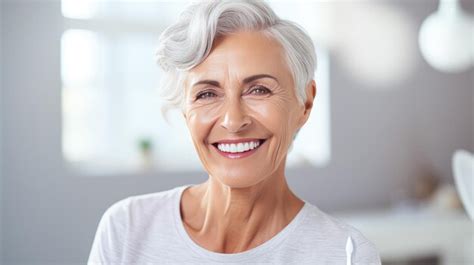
(310, 96)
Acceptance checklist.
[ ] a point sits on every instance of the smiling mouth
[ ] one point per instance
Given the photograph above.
(238, 148)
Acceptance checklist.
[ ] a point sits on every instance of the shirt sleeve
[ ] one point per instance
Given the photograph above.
(366, 253)
(107, 247)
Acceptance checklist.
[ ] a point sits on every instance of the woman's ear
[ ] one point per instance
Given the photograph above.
(308, 104)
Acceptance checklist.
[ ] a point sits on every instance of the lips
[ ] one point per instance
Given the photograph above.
(236, 141)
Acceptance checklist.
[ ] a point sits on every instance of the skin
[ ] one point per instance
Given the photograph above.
(245, 201)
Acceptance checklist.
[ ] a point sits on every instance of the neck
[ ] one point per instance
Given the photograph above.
(230, 220)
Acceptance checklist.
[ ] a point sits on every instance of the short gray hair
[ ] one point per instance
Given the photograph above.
(187, 42)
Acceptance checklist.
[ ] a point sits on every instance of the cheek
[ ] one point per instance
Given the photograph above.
(277, 115)
(199, 121)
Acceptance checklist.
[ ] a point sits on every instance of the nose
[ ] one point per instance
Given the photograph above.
(235, 117)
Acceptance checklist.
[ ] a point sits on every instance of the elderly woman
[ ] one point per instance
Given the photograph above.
(243, 79)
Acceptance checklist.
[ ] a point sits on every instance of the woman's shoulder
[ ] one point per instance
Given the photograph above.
(332, 225)
(134, 208)
(128, 223)
(333, 232)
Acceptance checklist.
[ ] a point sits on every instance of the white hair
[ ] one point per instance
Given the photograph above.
(187, 42)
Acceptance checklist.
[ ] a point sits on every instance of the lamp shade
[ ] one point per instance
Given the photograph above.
(446, 38)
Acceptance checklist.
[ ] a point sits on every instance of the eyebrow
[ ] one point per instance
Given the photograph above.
(245, 81)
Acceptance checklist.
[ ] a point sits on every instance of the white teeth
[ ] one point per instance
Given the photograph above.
(246, 146)
(233, 148)
(238, 148)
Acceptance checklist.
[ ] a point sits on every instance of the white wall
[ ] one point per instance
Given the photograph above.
(380, 141)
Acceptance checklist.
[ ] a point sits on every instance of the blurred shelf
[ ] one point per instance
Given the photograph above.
(411, 235)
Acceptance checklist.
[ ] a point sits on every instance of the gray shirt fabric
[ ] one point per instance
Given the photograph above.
(147, 229)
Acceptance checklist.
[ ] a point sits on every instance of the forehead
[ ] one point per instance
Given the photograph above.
(242, 54)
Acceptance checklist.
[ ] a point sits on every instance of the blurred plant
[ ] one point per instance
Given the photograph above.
(145, 146)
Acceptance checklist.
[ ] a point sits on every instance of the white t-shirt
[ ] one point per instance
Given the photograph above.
(148, 229)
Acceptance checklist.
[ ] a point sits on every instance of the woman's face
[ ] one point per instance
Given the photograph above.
(243, 92)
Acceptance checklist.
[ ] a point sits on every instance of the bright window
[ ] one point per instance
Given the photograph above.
(112, 120)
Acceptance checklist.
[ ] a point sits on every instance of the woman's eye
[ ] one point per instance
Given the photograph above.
(205, 95)
(260, 90)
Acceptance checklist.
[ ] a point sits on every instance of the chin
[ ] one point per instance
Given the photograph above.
(241, 180)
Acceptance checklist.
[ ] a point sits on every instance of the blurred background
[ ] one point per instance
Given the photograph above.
(81, 126)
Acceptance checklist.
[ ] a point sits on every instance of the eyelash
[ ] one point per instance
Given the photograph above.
(212, 94)
(266, 90)
(199, 96)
